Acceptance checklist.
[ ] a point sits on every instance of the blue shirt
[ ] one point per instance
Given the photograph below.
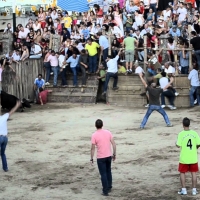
(184, 62)
(85, 33)
(103, 42)
(39, 83)
(177, 33)
(73, 61)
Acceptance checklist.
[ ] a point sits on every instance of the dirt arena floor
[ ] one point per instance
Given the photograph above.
(49, 151)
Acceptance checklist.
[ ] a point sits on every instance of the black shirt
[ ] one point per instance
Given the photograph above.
(154, 95)
(195, 43)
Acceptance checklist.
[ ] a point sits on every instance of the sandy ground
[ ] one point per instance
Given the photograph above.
(49, 151)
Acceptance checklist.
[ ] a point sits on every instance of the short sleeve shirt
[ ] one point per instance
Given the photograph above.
(188, 141)
(92, 49)
(3, 124)
(154, 95)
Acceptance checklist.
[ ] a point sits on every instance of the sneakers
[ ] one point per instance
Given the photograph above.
(194, 191)
(103, 94)
(141, 127)
(163, 106)
(51, 73)
(130, 71)
(47, 83)
(195, 102)
(182, 192)
(176, 94)
(122, 60)
(146, 106)
(171, 107)
(169, 125)
(115, 88)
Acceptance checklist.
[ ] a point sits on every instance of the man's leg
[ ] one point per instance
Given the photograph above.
(74, 76)
(102, 170)
(164, 114)
(194, 179)
(90, 64)
(146, 117)
(106, 81)
(182, 178)
(3, 144)
(105, 56)
(163, 98)
(95, 63)
(115, 76)
(192, 91)
(83, 75)
(48, 68)
(63, 75)
(55, 75)
(109, 173)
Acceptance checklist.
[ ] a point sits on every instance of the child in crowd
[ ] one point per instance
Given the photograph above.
(102, 74)
(121, 69)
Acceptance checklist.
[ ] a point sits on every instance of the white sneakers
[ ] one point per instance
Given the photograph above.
(47, 83)
(176, 94)
(163, 106)
(183, 191)
(146, 106)
(171, 107)
(195, 101)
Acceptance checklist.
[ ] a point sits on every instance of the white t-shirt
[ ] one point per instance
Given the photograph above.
(139, 70)
(163, 82)
(117, 31)
(16, 57)
(182, 14)
(3, 124)
(194, 78)
(23, 35)
(61, 59)
(37, 49)
(112, 65)
(170, 70)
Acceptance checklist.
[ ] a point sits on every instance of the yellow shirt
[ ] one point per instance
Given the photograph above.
(188, 141)
(121, 70)
(92, 49)
(68, 21)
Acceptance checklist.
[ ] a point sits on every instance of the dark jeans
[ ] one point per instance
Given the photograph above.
(184, 70)
(105, 56)
(193, 90)
(197, 54)
(114, 52)
(3, 144)
(104, 165)
(83, 70)
(63, 76)
(93, 63)
(170, 95)
(150, 110)
(153, 7)
(48, 69)
(128, 29)
(108, 76)
(74, 71)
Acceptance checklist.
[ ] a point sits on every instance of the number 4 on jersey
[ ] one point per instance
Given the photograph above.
(189, 144)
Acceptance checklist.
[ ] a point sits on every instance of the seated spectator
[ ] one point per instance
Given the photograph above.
(36, 51)
(23, 33)
(138, 69)
(8, 29)
(16, 57)
(42, 96)
(73, 60)
(174, 31)
(36, 26)
(38, 36)
(25, 53)
(121, 69)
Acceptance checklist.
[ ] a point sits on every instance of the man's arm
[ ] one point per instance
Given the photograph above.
(143, 81)
(92, 152)
(15, 108)
(114, 148)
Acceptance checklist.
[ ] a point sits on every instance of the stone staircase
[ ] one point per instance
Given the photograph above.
(130, 88)
(74, 94)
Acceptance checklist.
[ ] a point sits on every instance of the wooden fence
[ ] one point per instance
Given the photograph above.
(20, 83)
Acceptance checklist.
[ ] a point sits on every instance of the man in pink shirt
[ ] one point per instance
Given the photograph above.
(53, 59)
(103, 139)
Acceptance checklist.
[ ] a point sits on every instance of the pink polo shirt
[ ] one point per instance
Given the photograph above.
(101, 138)
(53, 61)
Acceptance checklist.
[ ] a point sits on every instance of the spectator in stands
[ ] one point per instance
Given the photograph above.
(42, 17)
(16, 57)
(54, 66)
(38, 83)
(36, 51)
(194, 82)
(42, 96)
(73, 60)
(92, 48)
(83, 63)
(8, 29)
(184, 60)
(67, 22)
(47, 66)
(25, 54)
(23, 33)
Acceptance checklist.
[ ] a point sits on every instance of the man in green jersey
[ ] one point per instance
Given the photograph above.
(189, 141)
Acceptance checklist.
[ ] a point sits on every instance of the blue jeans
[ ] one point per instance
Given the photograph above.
(105, 56)
(93, 63)
(55, 74)
(104, 165)
(3, 144)
(153, 7)
(74, 71)
(197, 54)
(70, 30)
(48, 69)
(184, 70)
(150, 110)
(151, 71)
(108, 75)
(63, 76)
(193, 90)
(170, 95)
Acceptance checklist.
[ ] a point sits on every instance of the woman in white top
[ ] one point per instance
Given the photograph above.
(139, 20)
(118, 18)
(182, 11)
(171, 46)
(166, 13)
(36, 25)
(54, 14)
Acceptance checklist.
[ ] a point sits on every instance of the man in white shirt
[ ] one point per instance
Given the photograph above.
(16, 57)
(23, 32)
(36, 51)
(182, 11)
(104, 43)
(169, 69)
(4, 133)
(115, 30)
(112, 72)
(194, 82)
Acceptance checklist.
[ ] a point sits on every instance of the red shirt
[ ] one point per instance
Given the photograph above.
(99, 13)
(43, 95)
(142, 9)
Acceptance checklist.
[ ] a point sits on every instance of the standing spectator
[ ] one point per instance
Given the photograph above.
(103, 139)
(54, 66)
(83, 63)
(47, 66)
(184, 61)
(68, 21)
(23, 33)
(104, 44)
(129, 43)
(38, 83)
(36, 51)
(92, 47)
(194, 82)
(4, 133)
(73, 60)
(195, 41)
(154, 6)
(129, 23)
(42, 99)
(182, 12)
(112, 72)
(189, 142)
(42, 17)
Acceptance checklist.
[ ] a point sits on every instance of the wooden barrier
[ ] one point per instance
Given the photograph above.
(20, 83)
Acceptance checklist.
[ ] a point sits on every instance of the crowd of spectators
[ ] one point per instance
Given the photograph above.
(85, 38)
